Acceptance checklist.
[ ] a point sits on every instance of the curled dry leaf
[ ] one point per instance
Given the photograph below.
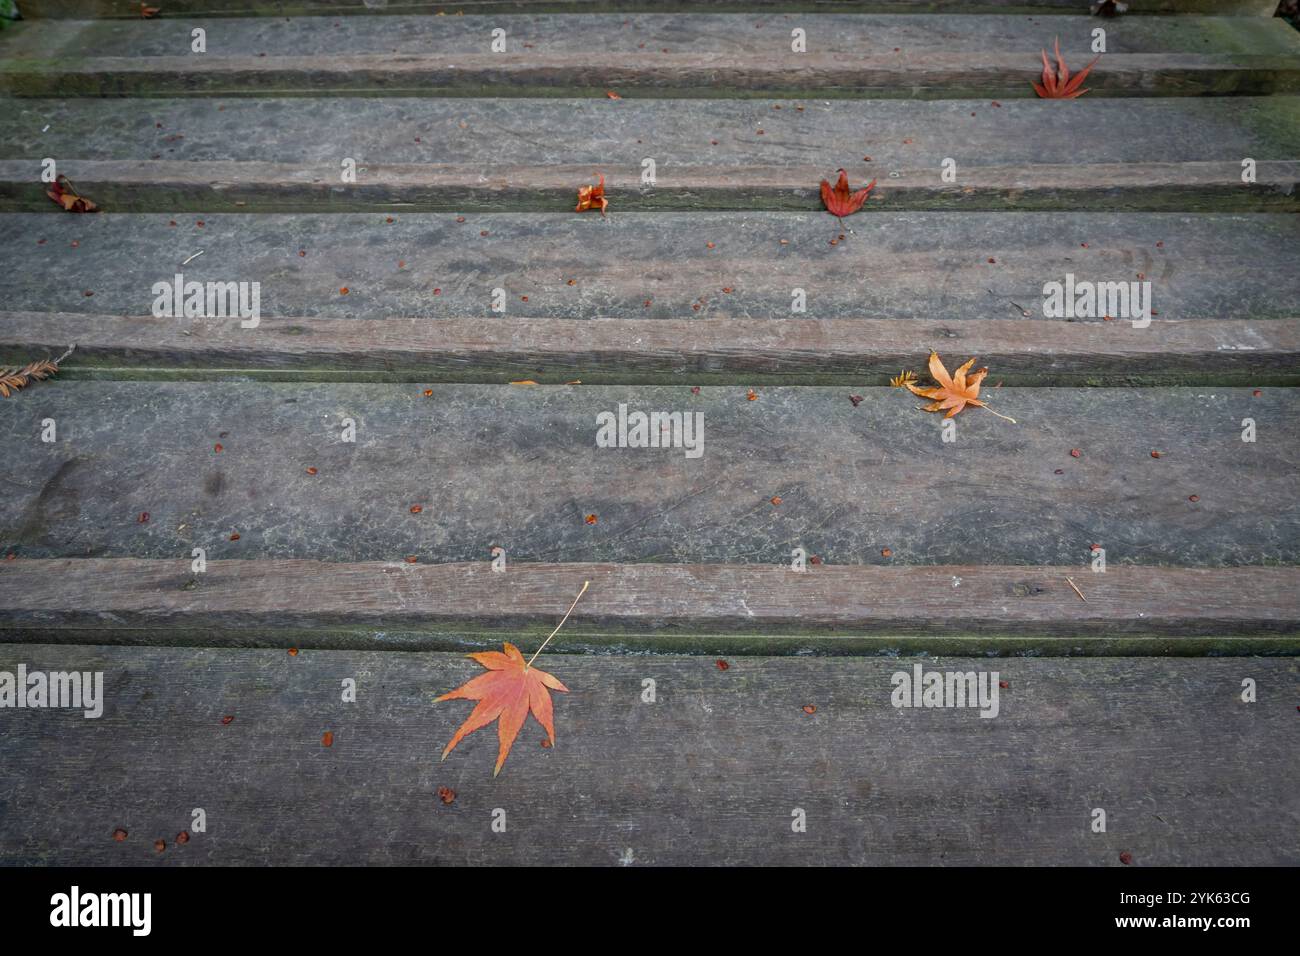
(1057, 84)
(61, 192)
(903, 379)
(1108, 8)
(593, 197)
(839, 200)
(953, 392)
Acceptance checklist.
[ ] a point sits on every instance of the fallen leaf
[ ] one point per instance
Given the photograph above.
(721, 665)
(839, 201)
(446, 795)
(119, 835)
(592, 197)
(12, 379)
(508, 692)
(809, 709)
(1108, 8)
(327, 739)
(61, 192)
(953, 392)
(903, 379)
(183, 837)
(856, 400)
(1057, 84)
(148, 13)
(524, 381)
(612, 95)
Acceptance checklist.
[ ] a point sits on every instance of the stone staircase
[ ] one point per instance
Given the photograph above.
(230, 519)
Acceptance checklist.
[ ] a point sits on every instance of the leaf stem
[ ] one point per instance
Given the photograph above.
(558, 626)
(1000, 415)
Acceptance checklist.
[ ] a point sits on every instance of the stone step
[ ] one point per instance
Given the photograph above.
(710, 773)
(167, 155)
(705, 55)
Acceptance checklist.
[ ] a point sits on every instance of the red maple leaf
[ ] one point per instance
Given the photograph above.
(1057, 84)
(510, 690)
(839, 200)
(593, 197)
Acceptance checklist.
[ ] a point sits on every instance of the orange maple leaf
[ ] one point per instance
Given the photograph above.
(510, 690)
(1057, 84)
(61, 192)
(592, 197)
(840, 201)
(954, 392)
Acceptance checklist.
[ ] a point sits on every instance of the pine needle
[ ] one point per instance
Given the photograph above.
(15, 378)
(585, 585)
